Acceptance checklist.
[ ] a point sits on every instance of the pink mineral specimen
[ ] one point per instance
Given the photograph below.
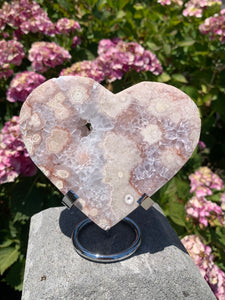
(109, 149)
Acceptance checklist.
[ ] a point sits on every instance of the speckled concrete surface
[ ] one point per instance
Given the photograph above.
(160, 269)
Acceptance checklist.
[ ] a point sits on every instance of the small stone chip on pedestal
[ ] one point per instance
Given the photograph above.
(161, 268)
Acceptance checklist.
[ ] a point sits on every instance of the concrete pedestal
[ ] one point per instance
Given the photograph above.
(161, 269)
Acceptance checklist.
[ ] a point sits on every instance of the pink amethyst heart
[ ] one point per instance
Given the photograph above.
(108, 148)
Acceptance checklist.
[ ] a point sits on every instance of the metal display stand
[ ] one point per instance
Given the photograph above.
(69, 201)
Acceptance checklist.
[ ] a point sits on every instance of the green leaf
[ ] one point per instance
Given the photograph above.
(19, 217)
(26, 199)
(164, 77)
(177, 213)
(167, 48)
(6, 243)
(13, 229)
(191, 91)
(179, 78)
(138, 6)
(186, 43)
(14, 277)
(120, 14)
(153, 46)
(101, 3)
(215, 197)
(7, 257)
(220, 235)
(64, 4)
(122, 3)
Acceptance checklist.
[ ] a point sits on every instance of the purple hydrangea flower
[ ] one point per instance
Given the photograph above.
(14, 158)
(204, 260)
(25, 16)
(22, 85)
(201, 145)
(203, 211)
(196, 7)
(200, 253)
(198, 208)
(169, 2)
(215, 26)
(203, 181)
(76, 41)
(66, 26)
(116, 57)
(11, 53)
(45, 55)
(223, 201)
(85, 69)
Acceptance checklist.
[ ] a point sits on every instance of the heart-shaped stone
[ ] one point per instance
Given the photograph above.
(109, 149)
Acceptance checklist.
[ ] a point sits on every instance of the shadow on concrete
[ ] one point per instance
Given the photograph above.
(156, 230)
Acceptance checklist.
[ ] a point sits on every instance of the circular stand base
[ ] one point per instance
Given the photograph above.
(106, 258)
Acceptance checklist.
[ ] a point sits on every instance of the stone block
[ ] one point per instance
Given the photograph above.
(161, 269)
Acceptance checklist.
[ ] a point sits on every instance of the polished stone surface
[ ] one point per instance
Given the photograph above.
(108, 148)
(161, 269)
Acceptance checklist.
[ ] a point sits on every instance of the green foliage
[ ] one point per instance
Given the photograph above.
(8, 255)
(20, 201)
(191, 62)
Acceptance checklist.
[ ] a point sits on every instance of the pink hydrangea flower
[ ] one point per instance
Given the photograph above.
(76, 41)
(215, 26)
(169, 2)
(204, 211)
(203, 181)
(25, 16)
(216, 280)
(204, 260)
(201, 254)
(11, 53)
(115, 58)
(14, 159)
(86, 69)
(45, 55)
(223, 201)
(196, 7)
(22, 85)
(66, 26)
(201, 145)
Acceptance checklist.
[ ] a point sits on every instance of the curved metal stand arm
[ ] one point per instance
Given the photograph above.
(106, 258)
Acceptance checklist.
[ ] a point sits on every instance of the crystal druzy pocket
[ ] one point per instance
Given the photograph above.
(108, 148)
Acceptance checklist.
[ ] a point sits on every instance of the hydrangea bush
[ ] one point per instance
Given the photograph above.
(14, 158)
(118, 43)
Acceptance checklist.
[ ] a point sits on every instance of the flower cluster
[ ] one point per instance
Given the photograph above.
(11, 53)
(14, 159)
(196, 7)
(44, 55)
(22, 85)
(203, 258)
(76, 41)
(215, 26)
(25, 16)
(200, 253)
(201, 145)
(116, 57)
(203, 183)
(169, 2)
(223, 201)
(86, 69)
(204, 211)
(66, 26)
